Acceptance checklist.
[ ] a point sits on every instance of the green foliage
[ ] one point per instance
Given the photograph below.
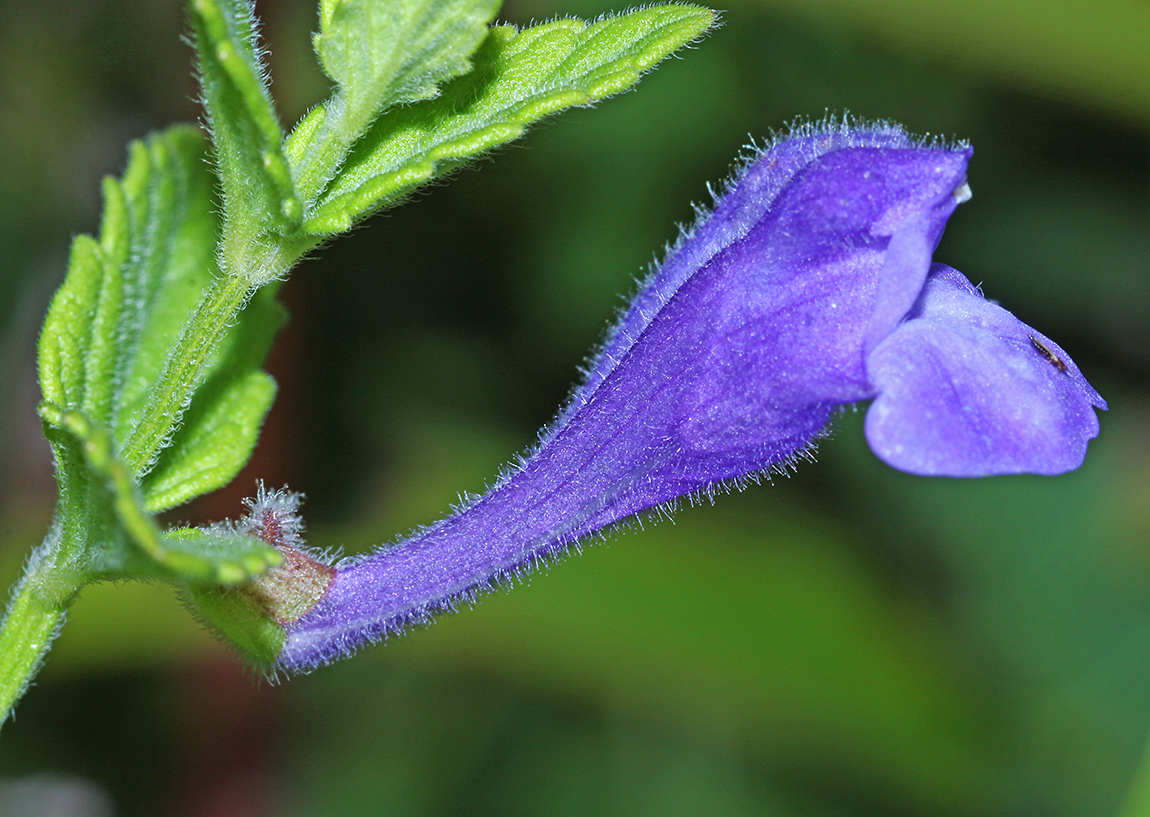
(386, 53)
(234, 615)
(519, 77)
(213, 444)
(106, 340)
(124, 297)
(383, 53)
(151, 356)
(221, 427)
(258, 190)
(104, 346)
(214, 557)
(69, 330)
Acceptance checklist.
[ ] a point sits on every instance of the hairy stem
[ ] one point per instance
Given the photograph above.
(62, 564)
(35, 614)
(169, 397)
(189, 355)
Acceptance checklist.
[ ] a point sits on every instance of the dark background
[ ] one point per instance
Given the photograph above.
(848, 641)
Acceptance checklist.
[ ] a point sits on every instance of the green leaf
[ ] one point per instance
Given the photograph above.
(68, 328)
(213, 557)
(383, 53)
(159, 229)
(124, 297)
(232, 614)
(213, 445)
(258, 189)
(519, 78)
(387, 52)
(219, 556)
(125, 300)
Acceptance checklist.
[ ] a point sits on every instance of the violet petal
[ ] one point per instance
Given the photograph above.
(796, 299)
(966, 389)
(729, 364)
(744, 201)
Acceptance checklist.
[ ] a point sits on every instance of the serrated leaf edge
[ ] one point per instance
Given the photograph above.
(340, 210)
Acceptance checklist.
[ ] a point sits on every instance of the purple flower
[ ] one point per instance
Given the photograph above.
(809, 287)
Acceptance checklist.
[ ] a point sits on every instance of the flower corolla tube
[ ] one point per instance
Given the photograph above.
(808, 287)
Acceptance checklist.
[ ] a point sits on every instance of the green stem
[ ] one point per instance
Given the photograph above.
(214, 315)
(169, 397)
(42, 597)
(35, 614)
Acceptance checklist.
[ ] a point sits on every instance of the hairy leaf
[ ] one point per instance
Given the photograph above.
(111, 326)
(519, 77)
(125, 296)
(232, 614)
(204, 457)
(218, 556)
(257, 183)
(387, 52)
(163, 244)
(383, 53)
(67, 336)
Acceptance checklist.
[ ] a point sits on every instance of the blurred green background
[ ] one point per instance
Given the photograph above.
(848, 641)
